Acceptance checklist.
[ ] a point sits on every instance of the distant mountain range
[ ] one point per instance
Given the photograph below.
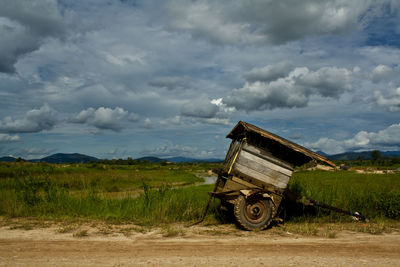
(66, 158)
(150, 159)
(362, 155)
(81, 158)
(7, 159)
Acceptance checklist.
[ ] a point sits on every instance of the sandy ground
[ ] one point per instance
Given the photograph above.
(215, 245)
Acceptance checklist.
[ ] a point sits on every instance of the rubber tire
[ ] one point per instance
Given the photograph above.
(241, 212)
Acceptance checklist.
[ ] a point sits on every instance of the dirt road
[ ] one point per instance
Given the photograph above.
(199, 246)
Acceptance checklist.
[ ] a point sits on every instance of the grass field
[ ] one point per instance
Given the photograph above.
(375, 195)
(150, 194)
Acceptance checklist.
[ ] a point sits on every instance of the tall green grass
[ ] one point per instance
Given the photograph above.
(376, 195)
(42, 198)
(108, 178)
(153, 193)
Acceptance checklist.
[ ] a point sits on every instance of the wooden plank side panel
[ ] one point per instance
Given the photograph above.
(248, 159)
(279, 181)
(264, 169)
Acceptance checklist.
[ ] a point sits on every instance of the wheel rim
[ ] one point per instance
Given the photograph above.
(255, 210)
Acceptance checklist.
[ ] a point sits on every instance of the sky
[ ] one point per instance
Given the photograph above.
(118, 79)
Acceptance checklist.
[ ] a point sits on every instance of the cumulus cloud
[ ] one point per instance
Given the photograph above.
(208, 111)
(386, 138)
(291, 91)
(276, 22)
(269, 72)
(329, 81)
(102, 118)
(35, 120)
(83, 116)
(381, 72)
(391, 102)
(24, 25)
(5, 138)
(201, 108)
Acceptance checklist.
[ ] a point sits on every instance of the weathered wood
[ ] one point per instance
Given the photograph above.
(243, 129)
(278, 181)
(243, 182)
(249, 160)
(256, 182)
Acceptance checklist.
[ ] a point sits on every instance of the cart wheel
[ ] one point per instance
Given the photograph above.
(253, 213)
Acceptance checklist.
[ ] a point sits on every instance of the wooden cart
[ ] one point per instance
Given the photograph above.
(255, 174)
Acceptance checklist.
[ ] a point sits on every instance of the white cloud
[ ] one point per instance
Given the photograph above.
(388, 138)
(174, 121)
(217, 121)
(381, 72)
(391, 102)
(291, 91)
(113, 151)
(35, 152)
(35, 120)
(148, 124)
(133, 117)
(102, 118)
(5, 138)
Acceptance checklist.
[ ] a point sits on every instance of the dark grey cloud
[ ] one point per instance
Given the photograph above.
(170, 82)
(274, 22)
(328, 81)
(35, 120)
(24, 24)
(291, 91)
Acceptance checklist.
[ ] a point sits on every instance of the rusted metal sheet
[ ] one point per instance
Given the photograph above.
(243, 129)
